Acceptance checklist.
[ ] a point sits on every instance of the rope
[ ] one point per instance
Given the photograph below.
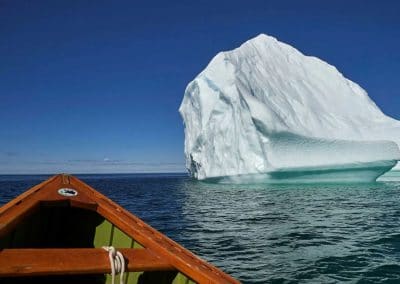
(117, 263)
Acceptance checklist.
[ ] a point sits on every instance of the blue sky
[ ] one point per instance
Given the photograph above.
(95, 86)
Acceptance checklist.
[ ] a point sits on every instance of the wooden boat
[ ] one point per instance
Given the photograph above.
(55, 231)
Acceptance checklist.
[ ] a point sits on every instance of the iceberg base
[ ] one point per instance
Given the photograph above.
(350, 173)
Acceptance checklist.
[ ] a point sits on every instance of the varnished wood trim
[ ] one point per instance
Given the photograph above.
(41, 262)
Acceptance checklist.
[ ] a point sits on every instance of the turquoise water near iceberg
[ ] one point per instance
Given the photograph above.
(293, 233)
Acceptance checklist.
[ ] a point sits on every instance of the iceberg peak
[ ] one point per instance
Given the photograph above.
(262, 38)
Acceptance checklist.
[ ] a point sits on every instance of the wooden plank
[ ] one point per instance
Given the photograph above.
(40, 262)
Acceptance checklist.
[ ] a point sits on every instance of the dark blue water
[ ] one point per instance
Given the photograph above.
(266, 233)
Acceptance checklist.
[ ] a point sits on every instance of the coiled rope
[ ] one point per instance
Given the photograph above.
(117, 263)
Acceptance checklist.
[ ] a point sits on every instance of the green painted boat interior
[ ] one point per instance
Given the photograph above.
(55, 226)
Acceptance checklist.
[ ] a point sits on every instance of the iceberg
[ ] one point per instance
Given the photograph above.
(265, 112)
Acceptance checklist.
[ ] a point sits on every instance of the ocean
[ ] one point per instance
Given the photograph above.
(297, 233)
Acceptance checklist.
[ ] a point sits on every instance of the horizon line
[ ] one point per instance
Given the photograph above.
(88, 173)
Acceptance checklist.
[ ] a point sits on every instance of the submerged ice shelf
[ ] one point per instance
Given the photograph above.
(266, 112)
(346, 173)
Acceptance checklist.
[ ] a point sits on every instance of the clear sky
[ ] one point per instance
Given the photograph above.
(95, 86)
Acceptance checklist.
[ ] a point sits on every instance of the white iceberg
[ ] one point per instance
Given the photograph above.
(266, 112)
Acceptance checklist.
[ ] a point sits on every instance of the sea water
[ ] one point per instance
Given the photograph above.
(293, 233)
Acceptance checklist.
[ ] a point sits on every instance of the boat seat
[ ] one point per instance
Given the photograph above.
(39, 262)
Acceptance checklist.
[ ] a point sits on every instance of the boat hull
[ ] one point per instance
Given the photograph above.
(54, 233)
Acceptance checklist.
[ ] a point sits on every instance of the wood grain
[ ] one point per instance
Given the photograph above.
(39, 262)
